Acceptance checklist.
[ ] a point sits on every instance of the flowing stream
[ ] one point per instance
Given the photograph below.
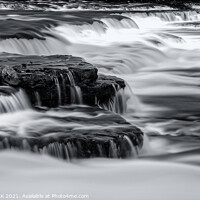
(157, 53)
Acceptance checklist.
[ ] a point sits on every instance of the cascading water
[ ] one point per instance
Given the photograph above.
(155, 49)
(103, 31)
(75, 91)
(58, 90)
(49, 46)
(133, 150)
(56, 150)
(14, 101)
(134, 47)
(38, 99)
(143, 56)
(112, 150)
(118, 103)
(119, 24)
(63, 86)
(35, 131)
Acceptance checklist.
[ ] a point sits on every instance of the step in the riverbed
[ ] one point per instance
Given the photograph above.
(59, 80)
(70, 132)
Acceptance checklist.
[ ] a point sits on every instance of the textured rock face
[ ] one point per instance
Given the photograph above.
(51, 78)
(74, 132)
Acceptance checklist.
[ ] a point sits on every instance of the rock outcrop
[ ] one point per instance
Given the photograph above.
(58, 80)
(75, 132)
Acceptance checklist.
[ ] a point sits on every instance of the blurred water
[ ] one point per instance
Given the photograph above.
(121, 179)
(157, 53)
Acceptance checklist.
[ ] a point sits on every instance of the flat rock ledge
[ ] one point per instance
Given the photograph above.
(48, 80)
(81, 132)
(74, 131)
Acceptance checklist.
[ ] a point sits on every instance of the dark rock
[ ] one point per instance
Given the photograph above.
(10, 76)
(84, 133)
(103, 89)
(76, 131)
(48, 77)
(84, 73)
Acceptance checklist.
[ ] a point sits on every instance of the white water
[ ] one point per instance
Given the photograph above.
(156, 53)
(75, 91)
(61, 133)
(58, 90)
(158, 56)
(15, 101)
(32, 47)
(134, 153)
(37, 97)
(155, 61)
(118, 103)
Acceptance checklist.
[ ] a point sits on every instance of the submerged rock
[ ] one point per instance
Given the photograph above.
(58, 80)
(73, 132)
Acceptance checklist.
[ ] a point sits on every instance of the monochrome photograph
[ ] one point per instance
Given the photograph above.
(100, 99)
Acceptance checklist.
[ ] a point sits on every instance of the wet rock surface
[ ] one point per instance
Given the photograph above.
(74, 132)
(48, 79)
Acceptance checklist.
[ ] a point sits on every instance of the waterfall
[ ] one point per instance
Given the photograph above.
(49, 46)
(14, 101)
(73, 150)
(113, 150)
(38, 99)
(58, 90)
(165, 16)
(57, 150)
(26, 145)
(118, 24)
(103, 30)
(118, 103)
(133, 150)
(63, 87)
(75, 91)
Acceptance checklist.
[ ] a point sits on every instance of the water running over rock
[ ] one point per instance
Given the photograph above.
(154, 49)
(64, 132)
(75, 91)
(12, 100)
(70, 132)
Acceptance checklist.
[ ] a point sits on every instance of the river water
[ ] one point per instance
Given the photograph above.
(157, 53)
